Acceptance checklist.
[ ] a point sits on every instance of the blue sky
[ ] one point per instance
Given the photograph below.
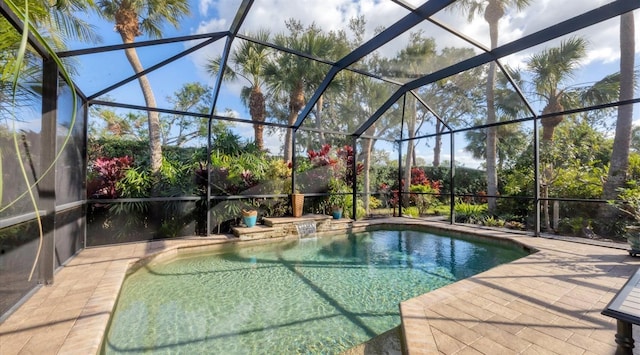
(96, 72)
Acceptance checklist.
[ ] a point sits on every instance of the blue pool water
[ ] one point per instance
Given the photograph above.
(322, 295)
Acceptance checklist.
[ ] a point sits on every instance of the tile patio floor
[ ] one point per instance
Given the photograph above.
(546, 303)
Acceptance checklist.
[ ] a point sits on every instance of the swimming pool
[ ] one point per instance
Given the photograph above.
(321, 295)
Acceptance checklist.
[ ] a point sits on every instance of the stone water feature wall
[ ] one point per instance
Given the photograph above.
(290, 226)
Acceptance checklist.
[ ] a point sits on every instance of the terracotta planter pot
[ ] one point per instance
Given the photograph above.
(297, 203)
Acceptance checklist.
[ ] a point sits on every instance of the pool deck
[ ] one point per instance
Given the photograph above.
(546, 303)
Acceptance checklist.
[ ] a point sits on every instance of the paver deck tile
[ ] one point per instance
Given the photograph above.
(535, 349)
(486, 345)
(500, 336)
(468, 350)
(452, 327)
(446, 344)
(548, 302)
(591, 344)
(549, 342)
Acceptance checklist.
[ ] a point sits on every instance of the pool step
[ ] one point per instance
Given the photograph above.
(277, 221)
(257, 232)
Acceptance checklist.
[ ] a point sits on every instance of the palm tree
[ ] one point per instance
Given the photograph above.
(493, 11)
(57, 24)
(249, 61)
(622, 141)
(550, 70)
(511, 142)
(289, 76)
(132, 19)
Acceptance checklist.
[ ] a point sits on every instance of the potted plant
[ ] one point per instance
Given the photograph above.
(249, 217)
(337, 198)
(629, 204)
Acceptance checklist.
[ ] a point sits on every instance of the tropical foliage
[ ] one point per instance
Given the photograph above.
(141, 154)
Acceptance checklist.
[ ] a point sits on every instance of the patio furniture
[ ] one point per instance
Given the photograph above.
(625, 307)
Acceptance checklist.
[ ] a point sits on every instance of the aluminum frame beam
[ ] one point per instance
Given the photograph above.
(115, 47)
(531, 118)
(152, 68)
(395, 30)
(579, 22)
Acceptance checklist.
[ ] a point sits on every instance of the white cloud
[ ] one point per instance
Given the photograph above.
(335, 14)
(273, 140)
(603, 37)
(204, 6)
(329, 15)
(604, 55)
(213, 25)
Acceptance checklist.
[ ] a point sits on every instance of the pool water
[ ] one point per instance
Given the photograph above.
(323, 295)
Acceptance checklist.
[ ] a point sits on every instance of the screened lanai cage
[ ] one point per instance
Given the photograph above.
(133, 124)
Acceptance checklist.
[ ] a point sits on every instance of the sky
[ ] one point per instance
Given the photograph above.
(98, 71)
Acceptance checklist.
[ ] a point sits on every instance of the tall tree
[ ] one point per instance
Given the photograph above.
(619, 164)
(107, 123)
(249, 61)
(456, 99)
(289, 76)
(181, 129)
(622, 141)
(493, 11)
(510, 138)
(412, 61)
(551, 69)
(551, 72)
(132, 18)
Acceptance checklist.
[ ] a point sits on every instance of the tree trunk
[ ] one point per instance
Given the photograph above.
(437, 149)
(545, 209)
(296, 101)
(410, 119)
(258, 132)
(492, 174)
(257, 111)
(288, 139)
(155, 145)
(368, 147)
(619, 165)
(319, 106)
(622, 141)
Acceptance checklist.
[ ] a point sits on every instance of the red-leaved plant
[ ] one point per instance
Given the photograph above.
(108, 171)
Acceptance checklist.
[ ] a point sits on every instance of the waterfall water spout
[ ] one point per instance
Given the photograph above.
(306, 229)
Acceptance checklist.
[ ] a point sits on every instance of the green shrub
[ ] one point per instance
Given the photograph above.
(421, 197)
(469, 213)
(374, 202)
(491, 221)
(411, 211)
(515, 225)
(360, 211)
